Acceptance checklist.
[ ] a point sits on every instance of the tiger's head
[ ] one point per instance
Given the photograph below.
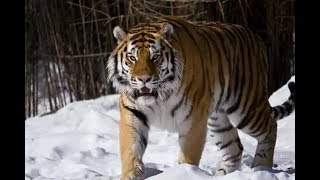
(144, 65)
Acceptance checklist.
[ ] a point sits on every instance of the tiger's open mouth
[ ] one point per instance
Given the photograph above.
(145, 92)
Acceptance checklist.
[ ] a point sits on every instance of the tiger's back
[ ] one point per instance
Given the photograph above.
(221, 62)
(188, 78)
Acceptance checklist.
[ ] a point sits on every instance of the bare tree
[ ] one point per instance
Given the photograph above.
(68, 41)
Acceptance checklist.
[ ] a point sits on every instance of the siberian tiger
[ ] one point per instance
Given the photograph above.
(189, 78)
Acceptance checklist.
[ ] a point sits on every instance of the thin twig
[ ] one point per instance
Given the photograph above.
(91, 9)
(221, 10)
(243, 14)
(85, 55)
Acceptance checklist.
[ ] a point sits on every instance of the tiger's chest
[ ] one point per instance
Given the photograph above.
(170, 115)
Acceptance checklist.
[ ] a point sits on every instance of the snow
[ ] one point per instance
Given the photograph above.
(80, 142)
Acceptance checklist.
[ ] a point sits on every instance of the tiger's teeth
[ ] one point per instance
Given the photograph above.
(150, 91)
(140, 91)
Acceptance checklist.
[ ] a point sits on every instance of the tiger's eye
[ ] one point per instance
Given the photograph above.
(132, 58)
(155, 57)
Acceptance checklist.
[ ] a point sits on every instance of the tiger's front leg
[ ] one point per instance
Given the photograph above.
(192, 143)
(133, 142)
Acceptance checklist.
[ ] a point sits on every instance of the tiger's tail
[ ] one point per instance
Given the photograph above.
(285, 109)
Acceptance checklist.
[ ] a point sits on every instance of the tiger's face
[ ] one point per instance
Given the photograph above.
(144, 65)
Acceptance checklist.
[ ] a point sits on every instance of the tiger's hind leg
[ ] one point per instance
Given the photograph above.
(225, 136)
(266, 134)
(265, 149)
(260, 125)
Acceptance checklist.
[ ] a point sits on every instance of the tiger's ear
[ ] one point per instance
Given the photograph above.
(166, 30)
(119, 33)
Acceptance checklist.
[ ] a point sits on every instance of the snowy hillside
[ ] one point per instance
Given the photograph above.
(80, 142)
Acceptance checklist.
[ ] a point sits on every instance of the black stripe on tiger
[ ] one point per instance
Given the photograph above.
(231, 38)
(224, 171)
(211, 124)
(124, 44)
(242, 49)
(287, 106)
(144, 26)
(213, 118)
(257, 121)
(227, 144)
(243, 81)
(148, 35)
(285, 109)
(116, 64)
(196, 45)
(237, 78)
(218, 143)
(263, 127)
(236, 72)
(188, 90)
(228, 128)
(219, 59)
(137, 41)
(260, 155)
(245, 120)
(177, 105)
(275, 113)
(204, 77)
(142, 117)
(131, 99)
(172, 60)
(207, 38)
(239, 144)
(191, 108)
(188, 115)
(188, 32)
(209, 41)
(249, 116)
(143, 141)
(282, 110)
(167, 57)
(135, 37)
(142, 35)
(121, 63)
(260, 107)
(234, 157)
(264, 131)
(250, 45)
(185, 93)
(122, 81)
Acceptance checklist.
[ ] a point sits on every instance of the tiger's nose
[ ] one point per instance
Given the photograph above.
(144, 78)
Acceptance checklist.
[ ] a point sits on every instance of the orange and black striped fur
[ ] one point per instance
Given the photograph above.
(189, 78)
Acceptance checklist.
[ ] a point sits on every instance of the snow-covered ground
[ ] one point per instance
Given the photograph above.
(80, 142)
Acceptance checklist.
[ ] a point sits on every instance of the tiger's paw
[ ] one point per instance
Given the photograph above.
(262, 168)
(224, 169)
(220, 172)
(134, 174)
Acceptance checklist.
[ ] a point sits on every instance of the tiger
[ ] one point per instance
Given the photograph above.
(193, 79)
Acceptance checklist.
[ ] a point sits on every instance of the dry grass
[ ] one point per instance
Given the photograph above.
(68, 41)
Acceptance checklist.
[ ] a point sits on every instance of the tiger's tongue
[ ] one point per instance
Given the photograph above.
(145, 90)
